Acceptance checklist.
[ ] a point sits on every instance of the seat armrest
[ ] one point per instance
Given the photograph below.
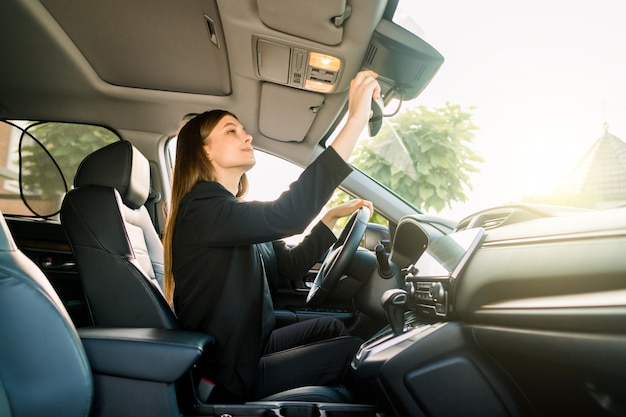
(161, 355)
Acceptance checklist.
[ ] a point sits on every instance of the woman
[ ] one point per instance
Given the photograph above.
(212, 256)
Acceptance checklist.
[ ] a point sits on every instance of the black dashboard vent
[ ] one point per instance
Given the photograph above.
(489, 220)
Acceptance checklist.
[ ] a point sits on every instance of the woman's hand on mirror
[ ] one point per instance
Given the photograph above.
(363, 88)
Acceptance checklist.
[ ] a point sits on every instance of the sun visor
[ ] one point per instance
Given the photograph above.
(157, 44)
(318, 21)
(405, 63)
(287, 113)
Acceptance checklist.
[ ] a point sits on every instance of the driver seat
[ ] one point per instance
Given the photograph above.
(119, 254)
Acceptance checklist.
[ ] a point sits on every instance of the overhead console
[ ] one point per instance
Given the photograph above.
(295, 65)
(404, 62)
(299, 65)
(302, 74)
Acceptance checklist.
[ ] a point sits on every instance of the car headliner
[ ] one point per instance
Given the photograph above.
(153, 54)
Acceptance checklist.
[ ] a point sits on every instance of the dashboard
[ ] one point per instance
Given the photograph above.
(522, 265)
(518, 310)
(561, 272)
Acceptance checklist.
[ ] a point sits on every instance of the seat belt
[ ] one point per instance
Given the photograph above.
(151, 204)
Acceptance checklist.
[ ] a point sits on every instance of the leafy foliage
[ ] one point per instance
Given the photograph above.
(423, 155)
(50, 156)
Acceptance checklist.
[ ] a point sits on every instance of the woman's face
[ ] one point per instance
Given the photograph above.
(229, 146)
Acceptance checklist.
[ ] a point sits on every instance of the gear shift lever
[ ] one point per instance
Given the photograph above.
(394, 302)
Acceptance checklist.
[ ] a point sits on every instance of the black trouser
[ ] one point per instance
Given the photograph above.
(311, 352)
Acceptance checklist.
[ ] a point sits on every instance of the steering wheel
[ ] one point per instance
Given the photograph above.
(338, 258)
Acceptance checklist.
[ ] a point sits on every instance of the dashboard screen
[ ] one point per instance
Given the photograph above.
(446, 256)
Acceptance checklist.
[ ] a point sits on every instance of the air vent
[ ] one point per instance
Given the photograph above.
(489, 220)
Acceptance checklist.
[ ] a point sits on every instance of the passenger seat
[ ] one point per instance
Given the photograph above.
(43, 367)
(118, 252)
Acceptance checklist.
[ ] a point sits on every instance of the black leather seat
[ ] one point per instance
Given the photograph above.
(118, 252)
(40, 347)
(48, 368)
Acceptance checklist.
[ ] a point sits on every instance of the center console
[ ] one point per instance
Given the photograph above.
(425, 303)
(426, 362)
(374, 353)
(426, 299)
(430, 281)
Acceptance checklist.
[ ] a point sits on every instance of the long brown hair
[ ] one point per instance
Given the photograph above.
(191, 167)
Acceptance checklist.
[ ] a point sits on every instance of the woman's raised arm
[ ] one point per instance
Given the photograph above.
(363, 88)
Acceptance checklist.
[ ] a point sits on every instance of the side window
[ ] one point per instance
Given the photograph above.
(271, 176)
(268, 179)
(38, 161)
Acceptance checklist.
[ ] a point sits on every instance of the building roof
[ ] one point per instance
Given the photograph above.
(601, 173)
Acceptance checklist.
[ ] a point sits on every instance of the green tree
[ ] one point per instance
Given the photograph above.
(423, 155)
(50, 156)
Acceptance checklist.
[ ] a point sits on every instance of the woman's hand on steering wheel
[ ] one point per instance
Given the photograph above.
(335, 213)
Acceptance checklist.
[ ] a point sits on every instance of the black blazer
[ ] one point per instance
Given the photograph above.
(217, 266)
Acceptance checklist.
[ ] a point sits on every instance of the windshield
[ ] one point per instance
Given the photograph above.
(529, 106)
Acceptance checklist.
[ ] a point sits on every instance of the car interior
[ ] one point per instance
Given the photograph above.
(516, 310)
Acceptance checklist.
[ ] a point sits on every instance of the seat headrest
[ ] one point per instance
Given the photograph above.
(119, 165)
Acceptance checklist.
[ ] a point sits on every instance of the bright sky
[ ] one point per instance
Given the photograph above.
(544, 75)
